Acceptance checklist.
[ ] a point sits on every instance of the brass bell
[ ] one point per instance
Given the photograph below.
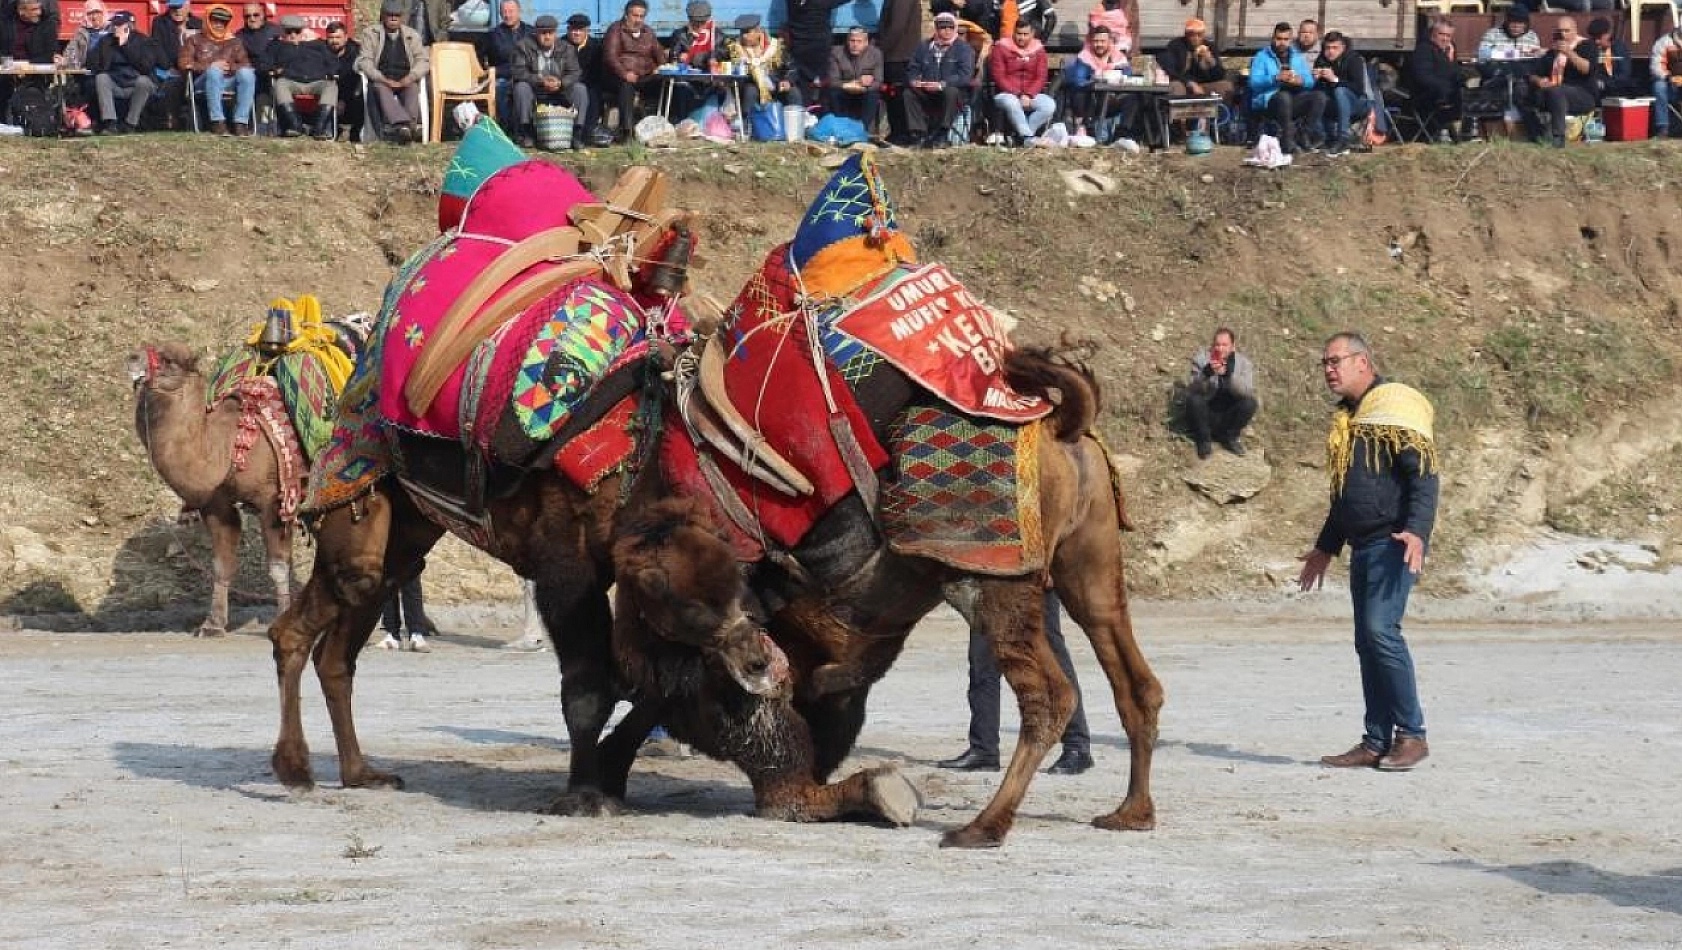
(277, 331)
(671, 272)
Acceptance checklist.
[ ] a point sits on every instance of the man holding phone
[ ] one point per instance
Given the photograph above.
(1343, 74)
(1282, 88)
(122, 66)
(1566, 78)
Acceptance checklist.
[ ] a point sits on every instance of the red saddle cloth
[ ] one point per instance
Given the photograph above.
(773, 383)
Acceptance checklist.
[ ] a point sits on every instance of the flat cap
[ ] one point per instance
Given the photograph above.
(546, 22)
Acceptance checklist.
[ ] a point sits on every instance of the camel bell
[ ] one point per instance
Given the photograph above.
(671, 272)
(277, 331)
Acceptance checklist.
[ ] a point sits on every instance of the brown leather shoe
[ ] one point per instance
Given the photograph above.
(1359, 757)
(1407, 752)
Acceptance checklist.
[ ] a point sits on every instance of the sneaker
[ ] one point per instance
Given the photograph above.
(391, 642)
(1337, 150)
(1444, 138)
(995, 139)
(1128, 145)
(418, 644)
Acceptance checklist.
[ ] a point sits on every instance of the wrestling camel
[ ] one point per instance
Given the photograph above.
(193, 450)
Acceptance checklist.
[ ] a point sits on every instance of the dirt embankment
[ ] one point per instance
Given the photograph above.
(1532, 294)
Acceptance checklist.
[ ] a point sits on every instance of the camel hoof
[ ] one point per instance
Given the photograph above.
(208, 629)
(586, 803)
(1127, 819)
(296, 778)
(969, 836)
(372, 778)
(894, 797)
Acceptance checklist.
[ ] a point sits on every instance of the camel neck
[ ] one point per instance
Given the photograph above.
(191, 448)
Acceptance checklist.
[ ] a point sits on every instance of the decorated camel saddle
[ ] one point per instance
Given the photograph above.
(514, 340)
(287, 377)
(843, 354)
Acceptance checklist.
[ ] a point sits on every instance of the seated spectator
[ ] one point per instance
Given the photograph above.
(1020, 70)
(1308, 39)
(1341, 75)
(1120, 18)
(297, 65)
(122, 66)
(1282, 87)
(762, 56)
(394, 60)
(1220, 395)
(855, 79)
(215, 61)
(630, 55)
(546, 71)
(345, 53)
(1097, 57)
(496, 50)
(1616, 67)
(1567, 81)
(1434, 81)
(169, 30)
(257, 34)
(1666, 67)
(1513, 39)
(93, 29)
(29, 33)
(588, 51)
(1192, 65)
(940, 77)
(691, 45)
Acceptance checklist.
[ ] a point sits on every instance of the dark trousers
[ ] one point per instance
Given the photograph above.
(1219, 417)
(1379, 583)
(1288, 105)
(984, 688)
(351, 107)
(1562, 101)
(862, 106)
(893, 74)
(1440, 113)
(941, 106)
(625, 93)
(405, 610)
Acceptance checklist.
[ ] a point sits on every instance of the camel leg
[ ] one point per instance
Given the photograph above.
(345, 544)
(277, 543)
(780, 767)
(618, 751)
(1010, 612)
(581, 625)
(363, 584)
(1088, 572)
(221, 519)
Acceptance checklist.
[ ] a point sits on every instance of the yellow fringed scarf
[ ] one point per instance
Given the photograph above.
(1391, 418)
(310, 335)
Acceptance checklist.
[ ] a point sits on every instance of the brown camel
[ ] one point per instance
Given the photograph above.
(847, 619)
(193, 451)
(561, 538)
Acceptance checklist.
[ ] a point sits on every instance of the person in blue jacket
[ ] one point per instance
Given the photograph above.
(1282, 88)
(940, 77)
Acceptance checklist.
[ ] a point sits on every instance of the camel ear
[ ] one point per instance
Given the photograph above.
(653, 582)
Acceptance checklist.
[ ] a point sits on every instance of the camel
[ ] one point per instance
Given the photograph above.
(848, 617)
(193, 451)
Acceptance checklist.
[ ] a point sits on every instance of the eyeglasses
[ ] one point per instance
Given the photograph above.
(1331, 362)
(253, 16)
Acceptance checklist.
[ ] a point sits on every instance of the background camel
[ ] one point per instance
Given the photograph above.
(193, 451)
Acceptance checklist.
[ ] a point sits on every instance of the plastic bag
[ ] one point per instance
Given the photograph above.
(654, 128)
(838, 129)
(717, 128)
(766, 121)
(1268, 154)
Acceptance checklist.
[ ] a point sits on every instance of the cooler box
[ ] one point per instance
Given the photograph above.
(1627, 120)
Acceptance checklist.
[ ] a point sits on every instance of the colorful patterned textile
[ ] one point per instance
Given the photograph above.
(600, 450)
(309, 397)
(484, 150)
(511, 205)
(925, 323)
(262, 410)
(849, 234)
(358, 455)
(967, 492)
(235, 365)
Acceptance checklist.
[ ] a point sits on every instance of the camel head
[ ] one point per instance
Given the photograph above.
(680, 576)
(164, 369)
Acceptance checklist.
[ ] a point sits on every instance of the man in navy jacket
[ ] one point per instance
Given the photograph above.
(940, 77)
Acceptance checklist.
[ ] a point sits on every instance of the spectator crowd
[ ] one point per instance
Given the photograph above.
(982, 72)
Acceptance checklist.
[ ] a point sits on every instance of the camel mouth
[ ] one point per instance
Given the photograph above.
(760, 670)
(139, 369)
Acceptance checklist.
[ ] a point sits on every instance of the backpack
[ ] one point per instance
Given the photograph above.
(34, 112)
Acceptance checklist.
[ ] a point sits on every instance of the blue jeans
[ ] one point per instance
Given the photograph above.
(1347, 106)
(244, 81)
(1663, 94)
(1379, 582)
(1023, 124)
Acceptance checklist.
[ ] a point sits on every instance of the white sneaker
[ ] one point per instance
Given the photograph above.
(1128, 145)
(391, 643)
(995, 139)
(417, 643)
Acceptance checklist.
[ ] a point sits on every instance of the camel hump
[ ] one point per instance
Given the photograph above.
(1060, 375)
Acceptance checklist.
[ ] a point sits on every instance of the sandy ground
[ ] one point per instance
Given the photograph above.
(136, 808)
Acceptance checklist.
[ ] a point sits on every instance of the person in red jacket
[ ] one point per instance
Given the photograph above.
(1019, 69)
